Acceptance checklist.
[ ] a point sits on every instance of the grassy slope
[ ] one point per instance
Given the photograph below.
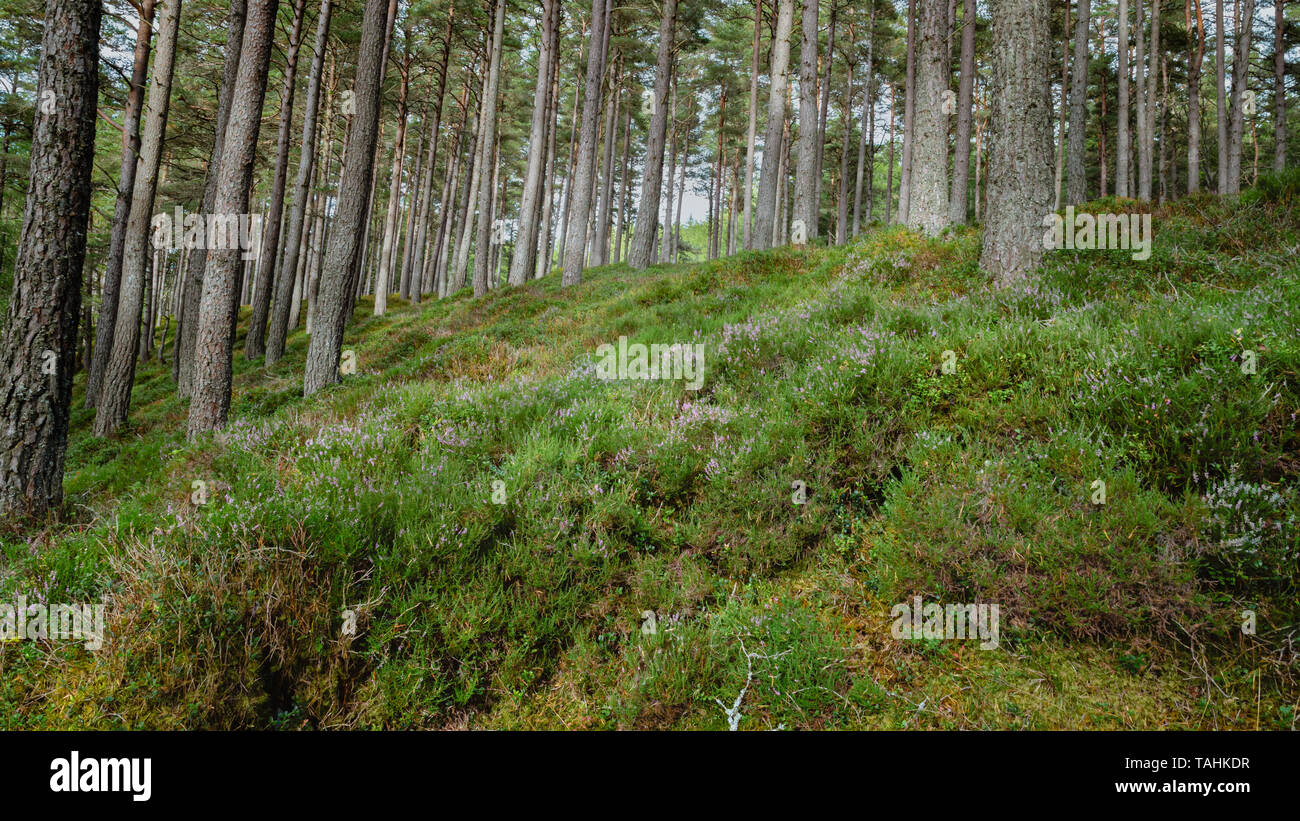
(624, 497)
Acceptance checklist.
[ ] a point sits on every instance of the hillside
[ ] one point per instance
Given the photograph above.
(645, 563)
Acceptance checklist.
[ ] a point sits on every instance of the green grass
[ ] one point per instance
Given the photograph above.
(824, 366)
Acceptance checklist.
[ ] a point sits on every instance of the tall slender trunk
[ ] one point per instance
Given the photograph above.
(1062, 113)
(1122, 115)
(383, 274)
(1140, 68)
(255, 343)
(1236, 117)
(753, 128)
(1195, 61)
(210, 402)
(119, 374)
(624, 194)
(525, 258)
(805, 175)
(1145, 176)
(647, 215)
(909, 121)
(765, 222)
(958, 196)
(284, 286)
(546, 206)
(122, 207)
(421, 282)
(183, 363)
(484, 240)
(889, 183)
(1076, 169)
(325, 348)
(1279, 88)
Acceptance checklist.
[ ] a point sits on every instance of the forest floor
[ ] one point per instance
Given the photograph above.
(643, 561)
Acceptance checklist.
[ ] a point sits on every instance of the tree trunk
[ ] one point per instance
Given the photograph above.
(1140, 68)
(1020, 139)
(484, 235)
(1195, 60)
(805, 174)
(183, 365)
(600, 238)
(525, 258)
(889, 182)
(1145, 176)
(753, 129)
(1077, 182)
(957, 198)
(846, 122)
(647, 214)
(255, 342)
(1279, 88)
(326, 344)
(384, 272)
(822, 111)
(624, 193)
(39, 351)
(928, 210)
(665, 251)
(284, 286)
(1236, 118)
(765, 221)
(119, 374)
(909, 121)
(547, 204)
(122, 208)
(1122, 115)
(210, 402)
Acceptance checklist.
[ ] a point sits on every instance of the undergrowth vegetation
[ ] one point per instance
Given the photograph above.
(644, 560)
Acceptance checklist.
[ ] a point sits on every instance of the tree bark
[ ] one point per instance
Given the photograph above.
(326, 344)
(928, 210)
(1236, 117)
(957, 198)
(909, 120)
(112, 278)
(751, 134)
(210, 402)
(255, 342)
(1279, 88)
(1076, 186)
(183, 364)
(119, 374)
(647, 214)
(384, 272)
(39, 350)
(525, 259)
(1145, 171)
(484, 240)
(1122, 115)
(805, 185)
(1195, 61)
(1020, 139)
(765, 221)
(284, 286)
